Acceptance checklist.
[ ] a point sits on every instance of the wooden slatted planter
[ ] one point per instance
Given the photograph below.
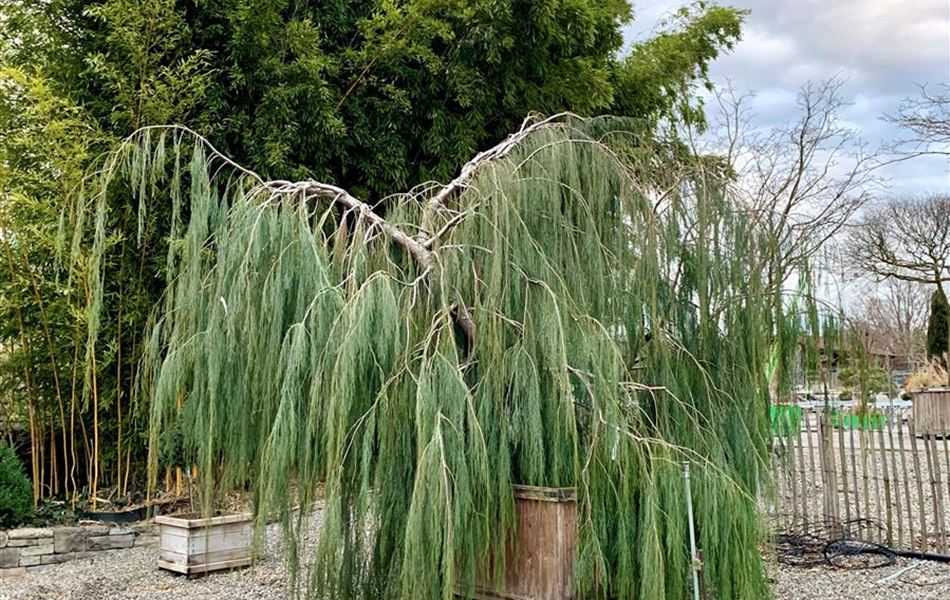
(540, 560)
(932, 411)
(192, 545)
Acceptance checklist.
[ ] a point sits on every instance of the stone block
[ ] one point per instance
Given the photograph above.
(111, 542)
(3, 539)
(37, 550)
(30, 533)
(25, 543)
(9, 557)
(144, 528)
(93, 528)
(12, 573)
(31, 561)
(70, 539)
(120, 530)
(55, 559)
(146, 540)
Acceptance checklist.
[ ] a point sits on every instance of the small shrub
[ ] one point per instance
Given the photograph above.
(16, 493)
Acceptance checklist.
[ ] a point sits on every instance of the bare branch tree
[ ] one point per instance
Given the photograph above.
(803, 181)
(893, 314)
(926, 121)
(905, 238)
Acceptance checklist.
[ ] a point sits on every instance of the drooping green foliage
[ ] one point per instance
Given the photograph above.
(555, 320)
(16, 496)
(938, 326)
(375, 96)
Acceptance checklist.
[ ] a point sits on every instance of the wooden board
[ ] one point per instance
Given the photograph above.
(540, 556)
(932, 411)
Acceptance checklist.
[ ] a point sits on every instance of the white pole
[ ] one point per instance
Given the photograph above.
(692, 532)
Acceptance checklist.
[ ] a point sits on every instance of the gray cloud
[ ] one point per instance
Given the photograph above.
(884, 48)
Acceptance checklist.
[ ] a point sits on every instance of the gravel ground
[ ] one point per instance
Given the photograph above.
(926, 581)
(132, 575)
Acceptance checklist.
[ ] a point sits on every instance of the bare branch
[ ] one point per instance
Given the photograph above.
(905, 238)
(802, 182)
(925, 121)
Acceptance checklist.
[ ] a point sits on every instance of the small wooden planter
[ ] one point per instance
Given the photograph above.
(540, 560)
(932, 411)
(192, 545)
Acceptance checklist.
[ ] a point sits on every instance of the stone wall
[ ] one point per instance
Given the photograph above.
(31, 547)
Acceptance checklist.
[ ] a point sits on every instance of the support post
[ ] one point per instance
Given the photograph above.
(696, 562)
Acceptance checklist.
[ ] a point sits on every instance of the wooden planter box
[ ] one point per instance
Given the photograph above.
(191, 545)
(931, 410)
(540, 556)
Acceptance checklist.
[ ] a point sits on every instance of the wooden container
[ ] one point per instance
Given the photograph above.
(540, 556)
(932, 411)
(191, 545)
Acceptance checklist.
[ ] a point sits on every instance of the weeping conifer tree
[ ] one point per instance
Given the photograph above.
(578, 308)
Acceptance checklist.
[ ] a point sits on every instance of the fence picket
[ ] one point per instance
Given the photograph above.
(892, 417)
(924, 538)
(908, 504)
(887, 488)
(937, 489)
(844, 474)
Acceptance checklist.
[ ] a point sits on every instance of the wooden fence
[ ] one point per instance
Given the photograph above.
(873, 473)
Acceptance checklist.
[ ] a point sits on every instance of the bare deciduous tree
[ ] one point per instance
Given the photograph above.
(893, 314)
(803, 180)
(905, 238)
(926, 121)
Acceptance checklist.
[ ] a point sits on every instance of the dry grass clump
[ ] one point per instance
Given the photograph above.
(932, 374)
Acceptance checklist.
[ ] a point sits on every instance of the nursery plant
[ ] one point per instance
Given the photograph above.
(582, 306)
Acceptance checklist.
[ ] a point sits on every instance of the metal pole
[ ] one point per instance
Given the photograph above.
(692, 532)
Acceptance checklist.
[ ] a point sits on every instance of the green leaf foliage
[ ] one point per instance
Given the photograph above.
(376, 96)
(16, 493)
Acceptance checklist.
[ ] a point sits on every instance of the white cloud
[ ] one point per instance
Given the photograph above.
(883, 47)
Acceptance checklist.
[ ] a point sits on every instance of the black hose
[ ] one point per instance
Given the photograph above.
(944, 558)
(812, 545)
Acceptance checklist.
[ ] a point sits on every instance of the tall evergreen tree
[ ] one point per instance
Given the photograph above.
(938, 327)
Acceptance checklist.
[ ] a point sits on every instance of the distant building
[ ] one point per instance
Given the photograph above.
(898, 366)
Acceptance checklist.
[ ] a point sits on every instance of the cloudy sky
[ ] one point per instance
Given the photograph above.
(884, 48)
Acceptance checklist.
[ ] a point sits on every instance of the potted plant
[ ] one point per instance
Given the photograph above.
(540, 554)
(930, 393)
(193, 543)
